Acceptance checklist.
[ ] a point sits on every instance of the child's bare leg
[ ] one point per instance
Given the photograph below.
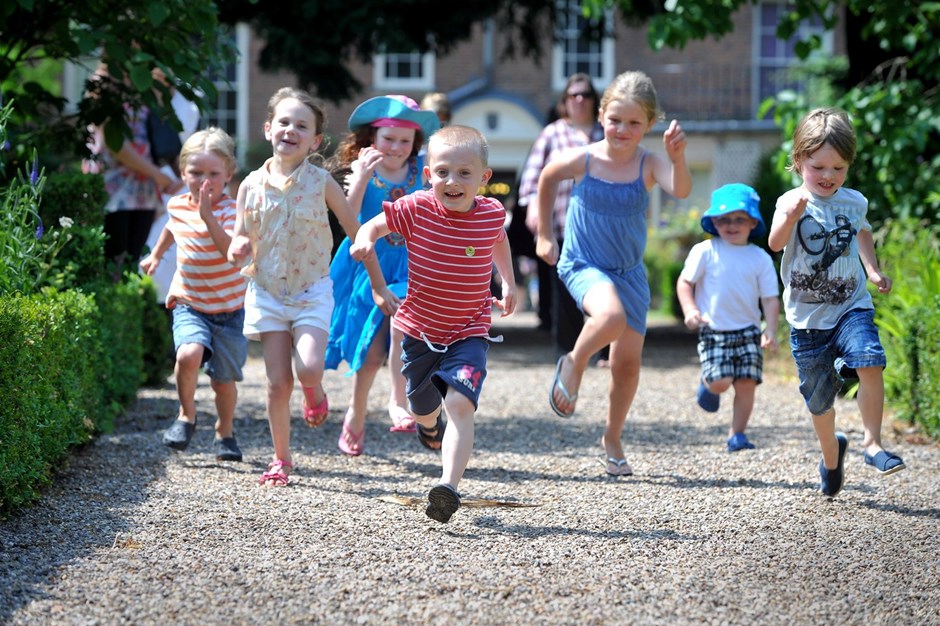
(825, 427)
(744, 389)
(871, 404)
(188, 362)
(277, 348)
(226, 396)
(625, 356)
(397, 400)
(605, 324)
(309, 352)
(355, 418)
(458, 438)
(719, 386)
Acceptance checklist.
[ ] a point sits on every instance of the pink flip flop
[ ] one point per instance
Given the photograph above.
(402, 421)
(358, 441)
(315, 414)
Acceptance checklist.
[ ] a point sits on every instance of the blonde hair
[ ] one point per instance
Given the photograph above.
(439, 104)
(819, 127)
(305, 98)
(213, 140)
(634, 87)
(463, 137)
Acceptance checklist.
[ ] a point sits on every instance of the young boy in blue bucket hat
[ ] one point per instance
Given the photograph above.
(724, 285)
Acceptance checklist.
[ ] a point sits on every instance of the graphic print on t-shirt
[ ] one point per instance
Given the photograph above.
(813, 282)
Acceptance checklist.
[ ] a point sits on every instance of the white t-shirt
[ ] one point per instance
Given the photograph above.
(822, 274)
(729, 282)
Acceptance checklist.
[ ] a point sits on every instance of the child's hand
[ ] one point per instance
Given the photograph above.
(369, 158)
(768, 342)
(148, 264)
(547, 249)
(881, 281)
(361, 251)
(674, 141)
(205, 202)
(508, 301)
(239, 251)
(387, 301)
(795, 210)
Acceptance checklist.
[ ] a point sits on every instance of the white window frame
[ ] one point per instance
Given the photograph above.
(605, 54)
(781, 61)
(382, 82)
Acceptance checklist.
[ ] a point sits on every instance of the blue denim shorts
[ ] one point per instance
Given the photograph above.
(428, 374)
(226, 347)
(823, 356)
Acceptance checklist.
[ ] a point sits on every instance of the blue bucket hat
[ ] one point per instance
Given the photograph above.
(730, 198)
(395, 111)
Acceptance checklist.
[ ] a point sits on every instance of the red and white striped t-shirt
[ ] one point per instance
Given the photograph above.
(450, 262)
(204, 278)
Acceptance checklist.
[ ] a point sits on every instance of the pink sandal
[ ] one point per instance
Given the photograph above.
(316, 415)
(275, 476)
(402, 420)
(358, 441)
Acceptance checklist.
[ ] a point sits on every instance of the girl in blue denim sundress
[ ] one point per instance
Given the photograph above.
(602, 261)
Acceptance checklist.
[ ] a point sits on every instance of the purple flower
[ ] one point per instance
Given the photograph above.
(6, 145)
(39, 229)
(34, 175)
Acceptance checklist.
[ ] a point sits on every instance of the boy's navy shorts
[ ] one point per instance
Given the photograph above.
(429, 374)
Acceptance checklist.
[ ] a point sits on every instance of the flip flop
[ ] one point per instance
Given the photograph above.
(357, 446)
(314, 414)
(402, 421)
(557, 384)
(616, 467)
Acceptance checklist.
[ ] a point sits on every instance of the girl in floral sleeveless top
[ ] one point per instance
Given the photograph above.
(380, 155)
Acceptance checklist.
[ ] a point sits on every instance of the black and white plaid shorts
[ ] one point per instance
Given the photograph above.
(731, 354)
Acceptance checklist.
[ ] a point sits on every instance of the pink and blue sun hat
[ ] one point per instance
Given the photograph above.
(395, 111)
(730, 198)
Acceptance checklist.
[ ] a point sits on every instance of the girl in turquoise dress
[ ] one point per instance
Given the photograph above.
(605, 236)
(381, 154)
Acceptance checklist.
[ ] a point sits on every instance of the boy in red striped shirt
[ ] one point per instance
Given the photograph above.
(453, 237)
(207, 294)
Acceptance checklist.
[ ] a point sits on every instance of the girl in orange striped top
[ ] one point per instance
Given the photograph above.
(207, 293)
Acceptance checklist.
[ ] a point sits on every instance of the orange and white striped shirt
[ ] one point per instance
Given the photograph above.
(204, 278)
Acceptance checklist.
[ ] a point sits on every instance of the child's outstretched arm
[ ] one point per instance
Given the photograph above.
(790, 207)
(369, 233)
(338, 203)
(569, 164)
(362, 170)
(502, 258)
(771, 307)
(239, 250)
(149, 263)
(674, 177)
(866, 252)
(685, 292)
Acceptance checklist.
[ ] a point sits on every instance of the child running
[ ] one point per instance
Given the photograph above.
(828, 249)
(382, 154)
(207, 293)
(601, 263)
(282, 231)
(725, 283)
(453, 237)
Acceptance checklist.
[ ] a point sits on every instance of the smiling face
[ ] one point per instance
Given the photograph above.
(396, 144)
(823, 171)
(292, 131)
(456, 173)
(204, 166)
(735, 227)
(625, 123)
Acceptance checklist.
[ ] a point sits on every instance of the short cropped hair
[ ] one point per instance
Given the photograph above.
(463, 137)
(214, 140)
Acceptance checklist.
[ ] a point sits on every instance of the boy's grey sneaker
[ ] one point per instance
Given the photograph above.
(443, 502)
(178, 435)
(226, 449)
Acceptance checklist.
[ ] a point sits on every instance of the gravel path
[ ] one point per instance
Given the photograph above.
(132, 534)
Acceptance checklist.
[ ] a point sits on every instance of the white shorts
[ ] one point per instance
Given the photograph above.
(265, 313)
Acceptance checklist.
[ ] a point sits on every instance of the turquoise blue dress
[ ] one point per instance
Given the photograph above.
(356, 319)
(605, 237)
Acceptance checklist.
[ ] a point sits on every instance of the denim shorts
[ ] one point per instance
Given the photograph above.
(226, 348)
(824, 356)
(428, 374)
(733, 354)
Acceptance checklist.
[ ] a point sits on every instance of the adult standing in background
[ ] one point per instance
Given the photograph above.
(577, 126)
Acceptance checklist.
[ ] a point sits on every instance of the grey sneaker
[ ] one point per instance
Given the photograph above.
(227, 449)
(443, 502)
(178, 435)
